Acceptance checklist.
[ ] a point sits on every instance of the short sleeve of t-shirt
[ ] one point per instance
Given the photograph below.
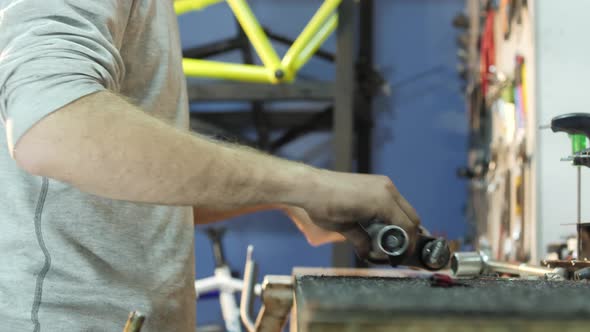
(53, 52)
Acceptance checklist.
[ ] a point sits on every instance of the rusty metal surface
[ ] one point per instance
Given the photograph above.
(346, 272)
(419, 324)
(379, 303)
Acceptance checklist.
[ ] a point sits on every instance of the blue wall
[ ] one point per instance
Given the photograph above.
(422, 130)
(420, 138)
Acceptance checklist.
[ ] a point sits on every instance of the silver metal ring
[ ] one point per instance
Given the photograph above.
(402, 249)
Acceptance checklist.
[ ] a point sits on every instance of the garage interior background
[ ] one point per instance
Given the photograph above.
(420, 135)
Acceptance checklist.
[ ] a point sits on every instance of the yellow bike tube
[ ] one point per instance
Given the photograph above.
(308, 33)
(314, 44)
(222, 70)
(185, 6)
(257, 37)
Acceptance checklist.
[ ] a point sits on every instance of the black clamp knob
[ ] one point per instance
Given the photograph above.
(572, 123)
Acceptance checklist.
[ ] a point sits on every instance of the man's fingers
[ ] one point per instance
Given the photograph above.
(359, 238)
(408, 210)
(397, 216)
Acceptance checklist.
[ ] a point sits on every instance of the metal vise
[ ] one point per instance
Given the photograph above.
(390, 244)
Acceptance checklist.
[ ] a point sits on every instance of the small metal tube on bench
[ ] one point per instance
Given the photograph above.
(467, 264)
(522, 270)
(470, 264)
(246, 301)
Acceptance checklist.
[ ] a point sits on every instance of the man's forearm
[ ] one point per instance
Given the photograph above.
(105, 146)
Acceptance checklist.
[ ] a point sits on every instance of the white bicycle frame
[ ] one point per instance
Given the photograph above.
(227, 286)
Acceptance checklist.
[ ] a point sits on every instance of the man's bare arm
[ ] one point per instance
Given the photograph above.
(105, 146)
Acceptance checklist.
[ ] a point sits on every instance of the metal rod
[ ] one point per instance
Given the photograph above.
(134, 322)
(579, 212)
(364, 123)
(521, 270)
(259, 117)
(222, 70)
(501, 267)
(311, 29)
(315, 42)
(258, 38)
(215, 236)
(248, 292)
(284, 40)
(343, 128)
(472, 264)
(525, 270)
(185, 6)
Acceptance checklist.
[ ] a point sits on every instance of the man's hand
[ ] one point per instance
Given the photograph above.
(314, 234)
(342, 200)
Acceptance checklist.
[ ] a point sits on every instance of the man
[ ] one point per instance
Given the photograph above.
(99, 171)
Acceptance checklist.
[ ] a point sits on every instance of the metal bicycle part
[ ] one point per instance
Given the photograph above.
(224, 283)
(134, 322)
(247, 298)
(277, 299)
(468, 263)
(436, 254)
(386, 240)
(390, 244)
(473, 264)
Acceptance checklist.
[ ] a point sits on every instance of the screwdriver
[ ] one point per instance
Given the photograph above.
(577, 126)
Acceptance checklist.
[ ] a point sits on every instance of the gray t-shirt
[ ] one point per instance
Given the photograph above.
(70, 261)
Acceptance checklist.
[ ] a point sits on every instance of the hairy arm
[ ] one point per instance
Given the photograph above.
(105, 146)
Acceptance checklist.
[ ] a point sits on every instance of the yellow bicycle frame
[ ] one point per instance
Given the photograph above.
(274, 70)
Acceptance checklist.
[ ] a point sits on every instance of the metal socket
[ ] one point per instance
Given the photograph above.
(387, 241)
(470, 264)
(391, 240)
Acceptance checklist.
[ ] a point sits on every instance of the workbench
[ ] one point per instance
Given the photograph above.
(402, 300)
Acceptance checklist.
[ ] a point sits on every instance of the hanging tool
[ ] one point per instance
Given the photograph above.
(511, 11)
(390, 244)
(487, 50)
(572, 123)
(577, 126)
